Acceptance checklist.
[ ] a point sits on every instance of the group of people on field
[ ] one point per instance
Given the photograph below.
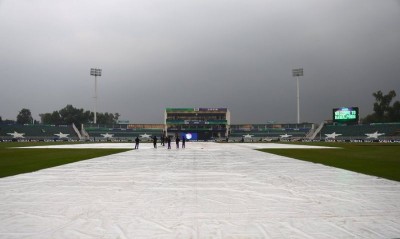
(164, 139)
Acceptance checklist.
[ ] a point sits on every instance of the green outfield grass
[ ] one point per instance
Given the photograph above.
(382, 160)
(15, 161)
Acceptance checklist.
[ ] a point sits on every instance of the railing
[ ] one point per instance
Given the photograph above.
(317, 131)
(76, 131)
(310, 132)
(84, 133)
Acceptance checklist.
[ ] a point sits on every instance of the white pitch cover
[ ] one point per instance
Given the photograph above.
(207, 190)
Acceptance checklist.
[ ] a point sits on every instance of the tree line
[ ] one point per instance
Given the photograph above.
(65, 116)
(383, 111)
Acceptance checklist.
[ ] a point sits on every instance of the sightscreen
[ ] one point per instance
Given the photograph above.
(345, 115)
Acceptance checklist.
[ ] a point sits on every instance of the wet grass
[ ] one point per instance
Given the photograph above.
(15, 161)
(381, 160)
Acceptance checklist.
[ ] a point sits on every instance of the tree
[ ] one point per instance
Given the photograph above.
(394, 112)
(383, 112)
(24, 117)
(45, 118)
(56, 118)
(1, 120)
(70, 114)
(106, 118)
(116, 116)
(382, 104)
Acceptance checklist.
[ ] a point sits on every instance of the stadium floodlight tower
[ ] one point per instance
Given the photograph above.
(297, 73)
(95, 72)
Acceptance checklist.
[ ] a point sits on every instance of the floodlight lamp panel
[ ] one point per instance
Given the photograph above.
(297, 72)
(95, 72)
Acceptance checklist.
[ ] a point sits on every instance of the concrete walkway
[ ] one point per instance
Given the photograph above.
(207, 190)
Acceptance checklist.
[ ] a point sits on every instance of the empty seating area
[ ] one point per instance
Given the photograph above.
(390, 131)
(254, 132)
(271, 131)
(37, 131)
(121, 132)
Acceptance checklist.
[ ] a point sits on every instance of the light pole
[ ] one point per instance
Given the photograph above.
(95, 72)
(297, 73)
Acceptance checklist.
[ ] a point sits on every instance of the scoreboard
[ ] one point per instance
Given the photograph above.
(345, 115)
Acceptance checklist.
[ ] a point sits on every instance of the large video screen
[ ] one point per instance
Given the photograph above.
(345, 115)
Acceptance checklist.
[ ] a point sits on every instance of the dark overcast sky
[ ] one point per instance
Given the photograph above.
(198, 53)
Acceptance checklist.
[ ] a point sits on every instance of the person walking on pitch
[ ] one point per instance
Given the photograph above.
(137, 142)
(169, 142)
(162, 140)
(177, 141)
(155, 141)
(183, 141)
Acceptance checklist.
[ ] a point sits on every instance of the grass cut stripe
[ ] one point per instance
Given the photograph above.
(15, 161)
(381, 160)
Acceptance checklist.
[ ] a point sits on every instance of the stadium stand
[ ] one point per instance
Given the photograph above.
(123, 131)
(353, 132)
(261, 132)
(258, 132)
(37, 132)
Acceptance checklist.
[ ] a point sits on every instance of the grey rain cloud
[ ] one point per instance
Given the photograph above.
(201, 53)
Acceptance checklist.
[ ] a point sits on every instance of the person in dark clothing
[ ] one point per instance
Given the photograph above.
(155, 141)
(137, 142)
(183, 141)
(162, 140)
(177, 141)
(169, 142)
